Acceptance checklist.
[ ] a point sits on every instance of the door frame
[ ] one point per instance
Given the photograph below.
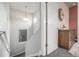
(46, 27)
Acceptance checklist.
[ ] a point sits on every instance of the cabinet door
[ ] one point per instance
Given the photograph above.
(59, 37)
(71, 38)
(64, 39)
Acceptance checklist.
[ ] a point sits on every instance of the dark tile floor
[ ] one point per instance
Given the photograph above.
(60, 52)
(20, 55)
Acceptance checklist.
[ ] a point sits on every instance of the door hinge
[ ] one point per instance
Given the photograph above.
(46, 45)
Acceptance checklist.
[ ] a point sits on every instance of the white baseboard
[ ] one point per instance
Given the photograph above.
(17, 53)
(44, 52)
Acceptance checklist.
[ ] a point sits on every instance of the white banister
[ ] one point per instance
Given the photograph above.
(4, 40)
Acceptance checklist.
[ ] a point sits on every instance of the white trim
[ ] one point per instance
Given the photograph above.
(22, 42)
(17, 54)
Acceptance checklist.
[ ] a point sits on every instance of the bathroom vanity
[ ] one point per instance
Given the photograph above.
(66, 38)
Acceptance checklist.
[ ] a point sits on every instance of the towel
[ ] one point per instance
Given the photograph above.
(75, 50)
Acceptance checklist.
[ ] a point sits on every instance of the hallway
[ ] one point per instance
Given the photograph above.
(34, 28)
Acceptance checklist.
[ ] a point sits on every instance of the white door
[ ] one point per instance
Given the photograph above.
(52, 31)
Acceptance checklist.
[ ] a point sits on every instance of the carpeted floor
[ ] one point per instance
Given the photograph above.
(60, 52)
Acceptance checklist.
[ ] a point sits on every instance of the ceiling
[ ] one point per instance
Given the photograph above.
(31, 6)
(70, 4)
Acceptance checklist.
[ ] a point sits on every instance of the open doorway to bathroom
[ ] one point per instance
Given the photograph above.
(67, 37)
(61, 28)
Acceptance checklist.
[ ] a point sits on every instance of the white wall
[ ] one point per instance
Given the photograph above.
(43, 28)
(36, 21)
(78, 23)
(17, 23)
(33, 45)
(53, 24)
(4, 26)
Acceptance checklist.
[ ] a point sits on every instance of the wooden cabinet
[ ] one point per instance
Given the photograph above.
(66, 38)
